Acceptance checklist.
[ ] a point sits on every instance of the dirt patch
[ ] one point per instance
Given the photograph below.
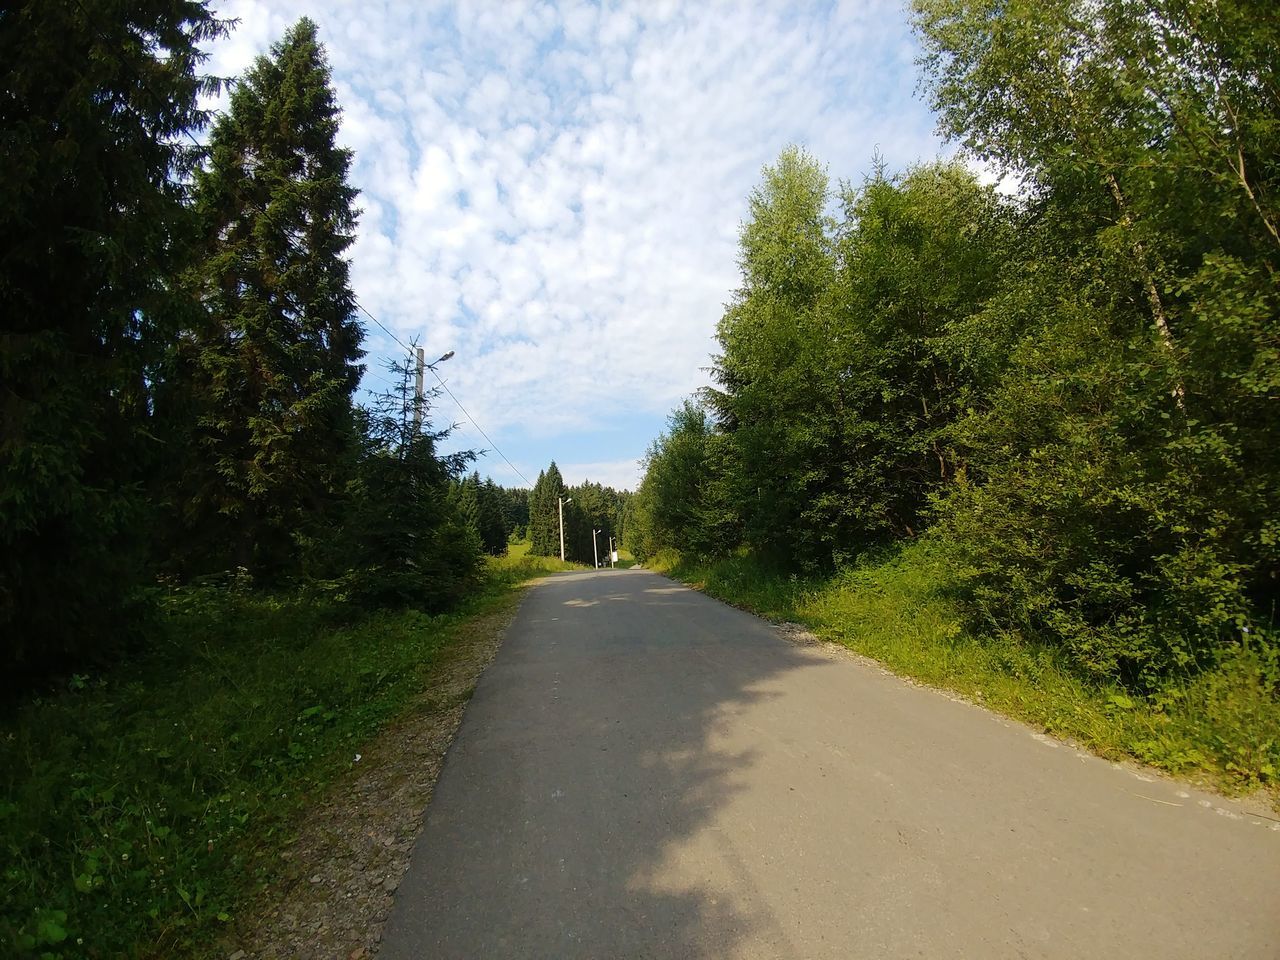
(339, 876)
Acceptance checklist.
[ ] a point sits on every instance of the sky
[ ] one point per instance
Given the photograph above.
(553, 191)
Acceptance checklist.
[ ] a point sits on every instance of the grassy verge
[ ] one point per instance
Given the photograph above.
(520, 562)
(1223, 727)
(140, 809)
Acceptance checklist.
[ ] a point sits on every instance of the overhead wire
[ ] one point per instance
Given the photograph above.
(355, 300)
(445, 388)
(478, 427)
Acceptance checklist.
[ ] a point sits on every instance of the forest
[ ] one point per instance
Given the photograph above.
(1059, 396)
(221, 564)
(182, 350)
(1007, 422)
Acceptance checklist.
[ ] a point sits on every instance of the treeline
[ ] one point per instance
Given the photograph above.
(1073, 391)
(180, 346)
(589, 509)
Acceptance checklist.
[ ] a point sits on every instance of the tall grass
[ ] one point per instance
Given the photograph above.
(139, 808)
(1223, 725)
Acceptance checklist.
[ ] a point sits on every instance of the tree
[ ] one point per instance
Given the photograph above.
(96, 102)
(516, 510)
(1126, 471)
(591, 510)
(763, 386)
(544, 515)
(405, 542)
(272, 366)
(466, 496)
(480, 504)
(675, 502)
(919, 255)
(494, 526)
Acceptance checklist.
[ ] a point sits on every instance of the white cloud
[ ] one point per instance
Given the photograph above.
(619, 474)
(553, 191)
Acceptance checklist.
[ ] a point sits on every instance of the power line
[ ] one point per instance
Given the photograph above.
(478, 427)
(288, 240)
(446, 389)
(407, 348)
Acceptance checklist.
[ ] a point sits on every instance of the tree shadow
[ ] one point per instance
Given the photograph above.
(576, 812)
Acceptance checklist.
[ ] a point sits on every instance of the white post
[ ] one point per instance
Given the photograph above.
(612, 564)
(595, 551)
(562, 501)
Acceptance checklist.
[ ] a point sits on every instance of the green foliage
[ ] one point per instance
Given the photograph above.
(845, 356)
(139, 809)
(594, 508)
(1072, 390)
(494, 526)
(515, 508)
(96, 100)
(481, 506)
(263, 381)
(544, 515)
(765, 392)
(407, 539)
(675, 505)
(1123, 472)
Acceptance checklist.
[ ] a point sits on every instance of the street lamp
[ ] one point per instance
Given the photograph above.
(562, 501)
(595, 551)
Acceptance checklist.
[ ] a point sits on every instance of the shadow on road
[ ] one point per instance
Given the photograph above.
(576, 813)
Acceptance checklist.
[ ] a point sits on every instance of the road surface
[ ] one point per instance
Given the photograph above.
(646, 772)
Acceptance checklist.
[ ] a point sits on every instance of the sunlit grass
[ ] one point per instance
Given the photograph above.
(521, 562)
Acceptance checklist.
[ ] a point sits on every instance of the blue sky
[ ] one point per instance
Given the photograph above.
(554, 190)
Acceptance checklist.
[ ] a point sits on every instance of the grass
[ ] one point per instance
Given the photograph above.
(1222, 727)
(521, 562)
(141, 808)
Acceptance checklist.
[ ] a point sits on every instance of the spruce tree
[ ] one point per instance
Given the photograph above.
(467, 498)
(274, 364)
(544, 516)
(516, 508)
(405, 542)
(493, 519)
(96, 101)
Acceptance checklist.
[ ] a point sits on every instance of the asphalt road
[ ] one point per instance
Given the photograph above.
(646, 772)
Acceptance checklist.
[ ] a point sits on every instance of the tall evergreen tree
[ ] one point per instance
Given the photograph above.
(544, 517)
(466, 495)
(96, 101)
(516, 509)
(273, 367)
